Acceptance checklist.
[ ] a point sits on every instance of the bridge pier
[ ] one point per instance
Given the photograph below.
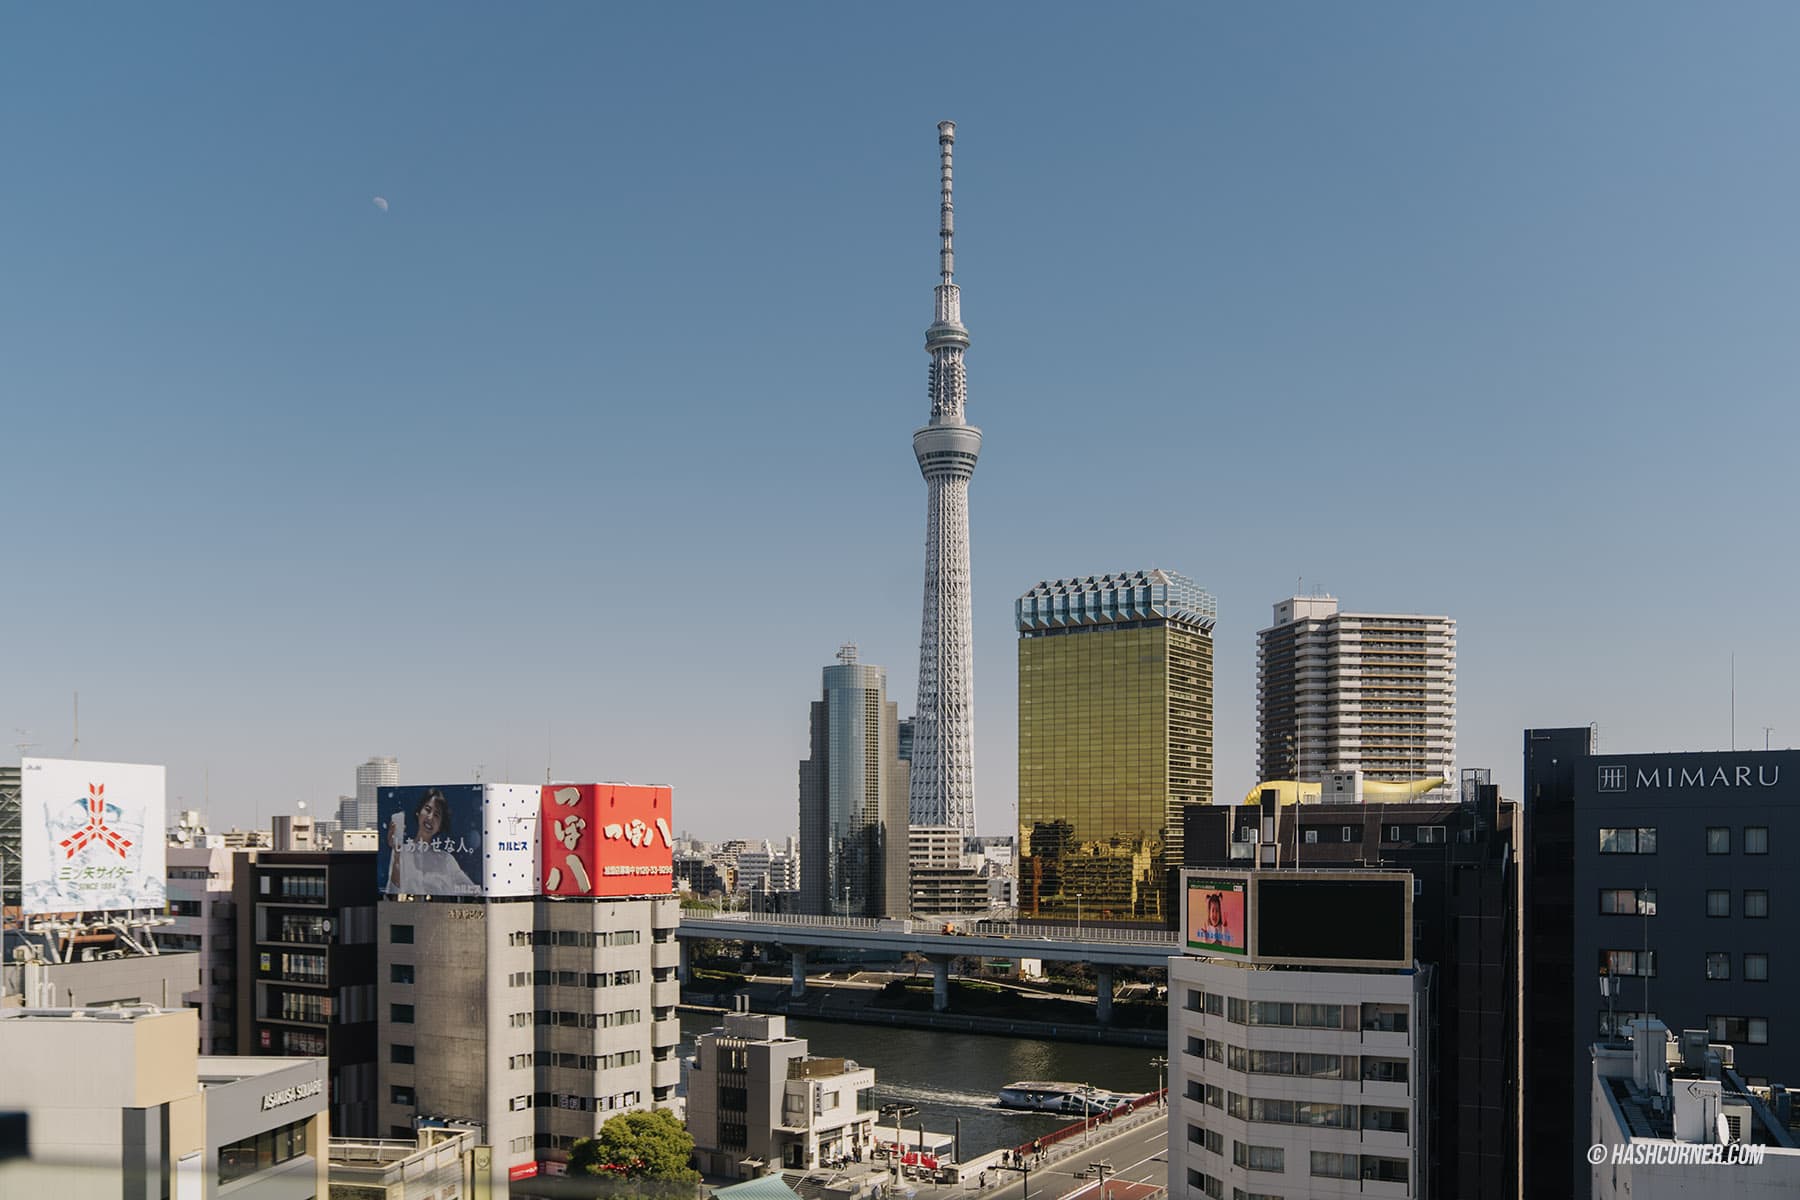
(940, 983)
(1103, 995)
(797, 955)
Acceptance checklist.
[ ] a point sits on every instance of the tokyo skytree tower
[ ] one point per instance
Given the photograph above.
(943, 755)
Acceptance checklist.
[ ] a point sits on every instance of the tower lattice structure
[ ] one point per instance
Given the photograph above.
(943, 755)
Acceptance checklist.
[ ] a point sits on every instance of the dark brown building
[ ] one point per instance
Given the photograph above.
(306, 970)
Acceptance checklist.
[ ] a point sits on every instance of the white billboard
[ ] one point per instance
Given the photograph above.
(92, 836)
(509, 848)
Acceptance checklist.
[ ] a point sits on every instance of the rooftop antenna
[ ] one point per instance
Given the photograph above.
(77, 752)
(1734, 701)
(1767, 730)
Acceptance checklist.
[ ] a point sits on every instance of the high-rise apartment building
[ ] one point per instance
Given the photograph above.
(1374, 692)
(853, 798)
(1115, 739)
(372, 776)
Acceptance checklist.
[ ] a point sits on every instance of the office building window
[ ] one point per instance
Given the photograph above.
(1756, 839)
(261, 1151)
(1629, 840)
(1628, 902)
(1756, 968)
(1718, 839)
(400, 973)
(1718, 964)
(1431, 835)
(400, 1014)
(1628, 962)
(400, 1095)
(1756, 902)
(400, 1053)
(1739, 1031)
(1718, 903)
(400, 935)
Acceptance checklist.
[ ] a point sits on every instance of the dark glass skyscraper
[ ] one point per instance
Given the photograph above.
(853, 798)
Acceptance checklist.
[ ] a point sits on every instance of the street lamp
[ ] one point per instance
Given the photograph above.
(1159, 1062)
(1078, 916)
(1100, 1169)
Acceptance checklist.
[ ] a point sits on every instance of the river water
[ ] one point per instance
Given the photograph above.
(957, 1075)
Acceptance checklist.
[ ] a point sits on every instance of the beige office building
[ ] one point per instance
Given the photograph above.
(531, 1019)
(119, 1103)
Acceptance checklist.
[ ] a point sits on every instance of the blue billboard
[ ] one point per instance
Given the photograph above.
(431, 840)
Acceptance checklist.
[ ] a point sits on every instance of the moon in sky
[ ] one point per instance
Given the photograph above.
(381, 203)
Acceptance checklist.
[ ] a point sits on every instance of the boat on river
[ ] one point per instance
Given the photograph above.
(1074, 1099)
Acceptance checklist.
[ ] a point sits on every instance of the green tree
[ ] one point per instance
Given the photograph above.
(637, 1145)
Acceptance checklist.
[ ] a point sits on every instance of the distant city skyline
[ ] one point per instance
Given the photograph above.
(584, 452)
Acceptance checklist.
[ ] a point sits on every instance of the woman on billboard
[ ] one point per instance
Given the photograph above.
(425, 864)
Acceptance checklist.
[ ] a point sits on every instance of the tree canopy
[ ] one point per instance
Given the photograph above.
(637, 1145)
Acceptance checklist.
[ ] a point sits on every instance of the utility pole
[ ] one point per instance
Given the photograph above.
(1024, 1168)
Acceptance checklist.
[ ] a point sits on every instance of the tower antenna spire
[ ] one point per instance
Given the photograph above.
(946, 206)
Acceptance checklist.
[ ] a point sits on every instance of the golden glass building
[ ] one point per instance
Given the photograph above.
(1115, 737)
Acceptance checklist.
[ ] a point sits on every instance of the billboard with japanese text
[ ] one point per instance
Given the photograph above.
(607, 839)
(430, 840)
(509, 843)
(92, 836)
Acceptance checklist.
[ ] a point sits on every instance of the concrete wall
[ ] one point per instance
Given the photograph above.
(159, 979)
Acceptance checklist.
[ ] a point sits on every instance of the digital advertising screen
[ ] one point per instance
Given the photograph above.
(1216, 921)
(91, 836)
(1345, 918)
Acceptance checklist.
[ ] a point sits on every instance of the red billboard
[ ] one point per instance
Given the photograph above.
(521, 1171)
(607, 839)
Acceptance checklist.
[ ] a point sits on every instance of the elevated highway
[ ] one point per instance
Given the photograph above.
(939, 941)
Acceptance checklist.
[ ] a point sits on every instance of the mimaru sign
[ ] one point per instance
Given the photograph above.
(1621, 777)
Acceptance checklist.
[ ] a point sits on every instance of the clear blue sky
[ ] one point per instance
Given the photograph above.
(599, 437)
